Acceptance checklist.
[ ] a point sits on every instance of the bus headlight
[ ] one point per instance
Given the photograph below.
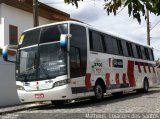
(62, 82)
(20, 87)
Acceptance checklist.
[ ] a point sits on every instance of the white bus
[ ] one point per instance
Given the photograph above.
(71, 60)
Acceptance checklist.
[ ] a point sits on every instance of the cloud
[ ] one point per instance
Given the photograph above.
(86, 12)
(93, 14)
(88, 15)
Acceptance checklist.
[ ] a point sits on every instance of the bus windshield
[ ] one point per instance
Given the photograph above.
(27, 64)
(52, 61)
(39, 56)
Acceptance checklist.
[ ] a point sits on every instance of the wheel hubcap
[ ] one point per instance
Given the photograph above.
(99, 92)
(146, 85)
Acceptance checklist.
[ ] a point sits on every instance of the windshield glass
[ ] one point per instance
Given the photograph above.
(39, 56)
(52, 60)
(27, 64)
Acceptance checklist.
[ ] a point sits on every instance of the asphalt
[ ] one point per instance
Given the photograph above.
(16, 108)
(22, 107)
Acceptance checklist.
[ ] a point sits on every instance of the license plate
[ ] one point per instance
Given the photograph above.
(39, 95)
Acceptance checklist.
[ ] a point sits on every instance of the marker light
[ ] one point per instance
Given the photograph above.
(5, 53)
(63, 41)
(61, 83)
(20, 87)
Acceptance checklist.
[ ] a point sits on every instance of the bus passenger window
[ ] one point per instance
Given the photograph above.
(151, 54)
(139, 52)
(115, 46)
(130, 50)
(119, 47)
(75, 57)
(143, 53)
(146, 53)
(109, 44)
(124, 48)
(135, 51)
(96, 41)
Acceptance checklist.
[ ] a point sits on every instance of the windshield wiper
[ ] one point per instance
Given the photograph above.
(33, 66)
(28, 69)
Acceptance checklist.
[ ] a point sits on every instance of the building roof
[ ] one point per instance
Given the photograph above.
(44, 10)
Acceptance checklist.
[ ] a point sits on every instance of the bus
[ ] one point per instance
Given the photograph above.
(71, 60)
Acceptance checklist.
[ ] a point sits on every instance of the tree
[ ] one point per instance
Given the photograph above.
(73, 2)
(136, 8)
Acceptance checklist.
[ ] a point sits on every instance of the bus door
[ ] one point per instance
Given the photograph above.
(158, 73)
(78, 59)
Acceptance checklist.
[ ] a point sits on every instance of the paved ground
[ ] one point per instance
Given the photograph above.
(131, 103)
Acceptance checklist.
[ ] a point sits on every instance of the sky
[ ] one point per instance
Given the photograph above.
(93, 13)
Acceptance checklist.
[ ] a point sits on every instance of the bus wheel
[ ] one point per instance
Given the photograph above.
(58, 102)
(145, 86)
(98, 92)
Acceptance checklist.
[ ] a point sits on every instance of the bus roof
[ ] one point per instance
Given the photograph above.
(93, 28)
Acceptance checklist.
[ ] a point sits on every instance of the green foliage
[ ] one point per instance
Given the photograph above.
(73, 2)
(135, 7)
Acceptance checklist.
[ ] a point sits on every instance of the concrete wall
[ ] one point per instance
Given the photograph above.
(1, 27)
(23, 20)
(8, 91)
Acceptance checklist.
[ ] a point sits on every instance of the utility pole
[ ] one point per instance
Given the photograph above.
(35, 13)
(148, 28)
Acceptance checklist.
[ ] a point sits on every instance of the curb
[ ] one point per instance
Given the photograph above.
(18, 108)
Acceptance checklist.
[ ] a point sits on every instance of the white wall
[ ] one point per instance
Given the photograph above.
(8, 91)
(23, 20)
(1, 27)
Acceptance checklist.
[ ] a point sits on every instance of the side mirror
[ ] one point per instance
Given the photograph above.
(64, 40)
(5, 53)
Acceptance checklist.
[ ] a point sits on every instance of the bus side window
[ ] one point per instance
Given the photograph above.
(109, 44)
(119, 47)
(75, 57)
(139, 52)
(115, 46)
(143, 53)
(135, 51)
(124, 48)
(151, 54)
(147, 54)
(96, 41)
(130, 50)
(103, 43)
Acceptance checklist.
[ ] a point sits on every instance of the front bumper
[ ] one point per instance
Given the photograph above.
(58, 93)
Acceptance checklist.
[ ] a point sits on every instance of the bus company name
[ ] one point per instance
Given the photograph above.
(97, 64)
(117, 63)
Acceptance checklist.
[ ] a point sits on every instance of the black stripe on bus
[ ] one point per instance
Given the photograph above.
(114, 86)
(81, 90)
(76, 90)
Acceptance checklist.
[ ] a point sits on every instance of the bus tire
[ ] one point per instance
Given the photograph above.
(58, 102)
(145, 86)
(98, 90)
